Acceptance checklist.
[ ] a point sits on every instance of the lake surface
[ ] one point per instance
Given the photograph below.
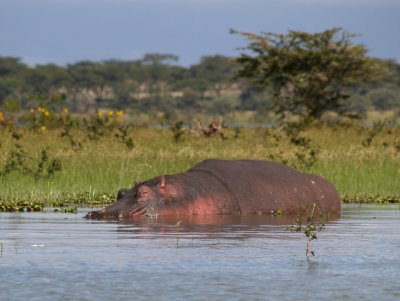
(56, 256)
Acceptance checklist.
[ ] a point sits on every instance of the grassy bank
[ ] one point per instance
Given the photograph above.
(82, 167)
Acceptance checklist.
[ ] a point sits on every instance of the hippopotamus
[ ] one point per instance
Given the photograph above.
(225, 187)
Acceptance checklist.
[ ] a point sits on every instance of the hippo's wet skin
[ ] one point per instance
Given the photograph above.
(224, 187)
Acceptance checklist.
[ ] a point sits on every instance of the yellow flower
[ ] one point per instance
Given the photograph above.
(43, 128)
(99, 115)
(46, 113)
(1, 116)
(32, 110)
(65, 110)
(40, 109)
(110, 113)
(120, 113)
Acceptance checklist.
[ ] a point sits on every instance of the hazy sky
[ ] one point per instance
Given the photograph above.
(66, 31)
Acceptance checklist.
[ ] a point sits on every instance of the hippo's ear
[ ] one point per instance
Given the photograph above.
(166, 189)
(162, 182)
(137, 182)
(162, 187)
(121, 193)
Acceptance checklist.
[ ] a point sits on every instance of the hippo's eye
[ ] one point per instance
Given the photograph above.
(142, 193)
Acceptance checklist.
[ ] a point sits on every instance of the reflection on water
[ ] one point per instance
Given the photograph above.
(54, 256)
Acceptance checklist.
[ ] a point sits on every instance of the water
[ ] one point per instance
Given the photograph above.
(55, 256)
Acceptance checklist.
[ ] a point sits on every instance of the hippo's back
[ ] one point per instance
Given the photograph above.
(265, 186)
(229, 167)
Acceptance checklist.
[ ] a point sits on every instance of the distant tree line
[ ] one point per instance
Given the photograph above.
(152, 83)
(157, 83)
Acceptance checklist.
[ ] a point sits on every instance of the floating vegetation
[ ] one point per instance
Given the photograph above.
(20, 206)
(371, 199)
(65, 201)
(67, 210)
(90, 199)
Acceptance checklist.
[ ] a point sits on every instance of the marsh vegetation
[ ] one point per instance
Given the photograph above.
(86, 160)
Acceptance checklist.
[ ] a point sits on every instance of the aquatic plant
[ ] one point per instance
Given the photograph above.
(20, 206)
(32, 203)
(310, 223)
(178, 223)
(67, 210)
(368, 199)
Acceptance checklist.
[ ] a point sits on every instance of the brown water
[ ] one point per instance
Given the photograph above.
(55, 256)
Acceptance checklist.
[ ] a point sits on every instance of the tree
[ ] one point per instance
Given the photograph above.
(157, 67)
(156, 71)
(215, 71)
(308, 73)
(42, 79)
(12, 72)
(86, 74)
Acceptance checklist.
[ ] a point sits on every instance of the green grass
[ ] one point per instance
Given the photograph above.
(103, 166)
(362, 181)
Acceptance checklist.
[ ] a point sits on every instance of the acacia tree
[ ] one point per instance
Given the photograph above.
(308, 73)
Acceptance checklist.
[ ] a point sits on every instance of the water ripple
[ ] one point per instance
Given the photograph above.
(55, 256)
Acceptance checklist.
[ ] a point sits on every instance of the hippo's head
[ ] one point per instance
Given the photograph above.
(150, 198)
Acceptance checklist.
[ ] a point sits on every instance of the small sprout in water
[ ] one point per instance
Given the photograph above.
(177, 233)
(312, 226)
